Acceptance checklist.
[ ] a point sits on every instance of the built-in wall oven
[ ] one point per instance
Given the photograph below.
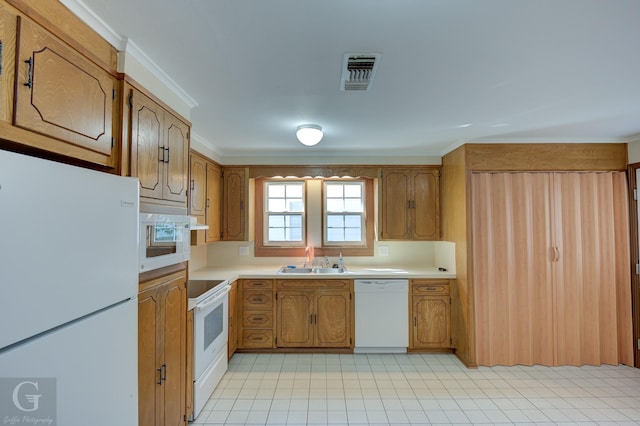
(210, 325)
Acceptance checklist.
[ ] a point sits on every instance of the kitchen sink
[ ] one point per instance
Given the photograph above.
(315, 270)
(330, 270)
(285, 270)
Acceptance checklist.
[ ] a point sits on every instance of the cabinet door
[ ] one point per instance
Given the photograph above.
(426, 205)
(214, 200)
(175, 351)
(395, 206)
(149, 356)
(295, 319)
(233, 204)
(61, 94)
(176, 158)
(431, 322)
(147, 162)
(198, 194)
(333, 319)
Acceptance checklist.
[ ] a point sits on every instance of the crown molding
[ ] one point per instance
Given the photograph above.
(132, 49)
(126, 45)
(78, 8)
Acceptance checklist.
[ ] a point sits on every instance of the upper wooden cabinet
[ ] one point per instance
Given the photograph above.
(234, 197)
(198, 185)
(205, 198)
(56, 95)
(410, 204)
(214, 202)
(159, 143)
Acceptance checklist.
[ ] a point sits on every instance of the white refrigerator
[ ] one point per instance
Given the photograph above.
(68, 287)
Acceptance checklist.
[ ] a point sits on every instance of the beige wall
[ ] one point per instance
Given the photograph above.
(633, 152)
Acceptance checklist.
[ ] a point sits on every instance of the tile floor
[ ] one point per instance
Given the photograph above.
(321, 389)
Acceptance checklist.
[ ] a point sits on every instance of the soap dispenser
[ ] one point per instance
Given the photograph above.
(340, 261)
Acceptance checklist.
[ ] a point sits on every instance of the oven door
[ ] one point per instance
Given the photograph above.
(211, 322)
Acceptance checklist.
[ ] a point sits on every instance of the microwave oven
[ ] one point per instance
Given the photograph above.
(164, 240)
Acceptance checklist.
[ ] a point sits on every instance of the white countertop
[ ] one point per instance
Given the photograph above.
(356, 272)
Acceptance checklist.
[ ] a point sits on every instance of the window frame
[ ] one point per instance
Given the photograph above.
(367, 249)
(361, 242)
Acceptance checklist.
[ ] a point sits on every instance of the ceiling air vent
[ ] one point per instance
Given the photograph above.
(358, 71)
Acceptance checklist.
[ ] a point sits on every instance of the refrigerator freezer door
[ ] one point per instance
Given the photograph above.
(94, 363)
(68, 245)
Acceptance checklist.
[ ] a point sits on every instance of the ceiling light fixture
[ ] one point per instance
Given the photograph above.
(309, 134)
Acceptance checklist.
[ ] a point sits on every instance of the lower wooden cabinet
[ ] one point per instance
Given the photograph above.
(162, 352)
(256, 314)
(314, 313)
(430, 314)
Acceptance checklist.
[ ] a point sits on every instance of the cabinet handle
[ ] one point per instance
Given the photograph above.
(167, 149)
(164, 372)
(29, 82)
(431, 289)
(315, 318)
(208, 203)
(257, 318)
(161, 148)
(415, 321)
(310, 318)
(193, 184)
(0, 57)
(159, 382)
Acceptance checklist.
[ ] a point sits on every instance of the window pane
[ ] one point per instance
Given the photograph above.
(277, 205)
(275, 190)
(335, 205)
(334, 190)
(295, 205)
(353, 205)
(353, 234)
(353, 191)
(276, 234)
(335, 234)
(335, 221)
(294, 221)
(352, 221)
(294, 190)
(276, 221)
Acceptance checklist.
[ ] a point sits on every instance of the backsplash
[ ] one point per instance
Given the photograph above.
(400, 253)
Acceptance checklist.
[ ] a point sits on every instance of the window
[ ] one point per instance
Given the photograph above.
(333, 215)
(344, 213)
(284, 216)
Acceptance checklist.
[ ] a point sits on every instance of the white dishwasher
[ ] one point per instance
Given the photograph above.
(382, 316)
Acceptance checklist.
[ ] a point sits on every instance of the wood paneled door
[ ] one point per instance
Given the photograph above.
(551, 268)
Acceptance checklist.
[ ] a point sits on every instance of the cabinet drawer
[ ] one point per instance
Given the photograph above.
(257, 319)
(257, 299)
(257, 284)
(439, 288)
(314, 284)
(257, 338)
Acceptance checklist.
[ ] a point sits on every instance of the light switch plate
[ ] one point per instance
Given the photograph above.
(383, 251)
(243, 251)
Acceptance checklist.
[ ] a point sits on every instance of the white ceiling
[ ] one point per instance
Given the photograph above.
(451, 71)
